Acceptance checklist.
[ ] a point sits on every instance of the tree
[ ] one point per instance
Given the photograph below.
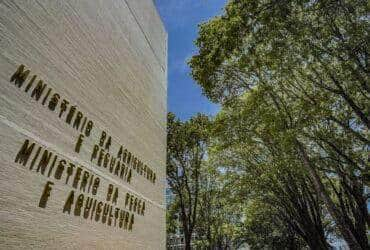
(218, 214)
(263, 163)
(263, 228)
(309, 61)
(186, 150)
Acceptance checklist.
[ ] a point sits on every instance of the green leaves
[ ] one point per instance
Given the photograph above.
(292, 76)
(186, 150)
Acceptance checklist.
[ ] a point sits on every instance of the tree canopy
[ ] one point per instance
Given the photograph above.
(290, 147)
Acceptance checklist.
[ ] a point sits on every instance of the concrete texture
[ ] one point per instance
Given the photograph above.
(109, 59)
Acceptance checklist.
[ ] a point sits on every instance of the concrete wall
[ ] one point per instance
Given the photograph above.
(108, 58)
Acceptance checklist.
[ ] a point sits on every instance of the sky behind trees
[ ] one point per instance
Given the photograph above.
(181, 19)
(287, 155)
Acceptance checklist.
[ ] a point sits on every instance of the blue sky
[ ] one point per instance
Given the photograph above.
(181, 19)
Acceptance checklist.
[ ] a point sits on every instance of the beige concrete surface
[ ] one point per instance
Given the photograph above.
(109, 59)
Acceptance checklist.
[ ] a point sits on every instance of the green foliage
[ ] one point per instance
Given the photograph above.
(264, 229)
(293, 79)
(186, 149)
(172, 222)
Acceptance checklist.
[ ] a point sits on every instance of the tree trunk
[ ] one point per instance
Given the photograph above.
(362, 116)
(187, 237)
(320, 188)
(317, 242)
(356, 109)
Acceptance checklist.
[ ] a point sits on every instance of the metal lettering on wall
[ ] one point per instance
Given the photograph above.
(81, 199)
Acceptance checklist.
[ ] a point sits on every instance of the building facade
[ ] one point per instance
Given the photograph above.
(82, 125)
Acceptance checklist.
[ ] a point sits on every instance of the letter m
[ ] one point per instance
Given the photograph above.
(24, 153)
(19, 76)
